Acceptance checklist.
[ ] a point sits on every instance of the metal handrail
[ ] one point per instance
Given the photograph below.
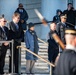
(42, 41)
(12, 66)
(5, 41)
(36, 55)
(51, 64)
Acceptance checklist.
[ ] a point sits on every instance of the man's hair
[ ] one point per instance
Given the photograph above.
(69, 3)
(53, 22)
(1, 17)
(16, 14)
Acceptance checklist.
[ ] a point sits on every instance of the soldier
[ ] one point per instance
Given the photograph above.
(67, 62)
(61, 27)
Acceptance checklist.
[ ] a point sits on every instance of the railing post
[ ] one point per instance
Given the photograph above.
(12, 66)
(50, 70)
(51, 65)
(19, 61)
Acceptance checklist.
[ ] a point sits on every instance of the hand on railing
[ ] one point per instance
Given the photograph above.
(6, 43)
(36, 55)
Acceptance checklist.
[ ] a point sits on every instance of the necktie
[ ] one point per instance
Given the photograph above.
(16, 26)
(5, 37)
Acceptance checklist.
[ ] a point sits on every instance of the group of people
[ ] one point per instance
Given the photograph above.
(66, 64)
(70, 12)
(15, 31)
(64, 26)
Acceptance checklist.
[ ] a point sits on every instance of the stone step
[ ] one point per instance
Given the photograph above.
(23, 43)
(25, 74)
(40, 66)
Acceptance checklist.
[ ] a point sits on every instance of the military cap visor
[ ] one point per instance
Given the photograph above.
(70, 31)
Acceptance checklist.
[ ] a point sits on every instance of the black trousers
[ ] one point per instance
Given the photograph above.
(15, 58)
(52, 54)
(3, 50)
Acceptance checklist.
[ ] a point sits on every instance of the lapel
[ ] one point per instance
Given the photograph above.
(1, 31)
(13, 26)
(2, 34)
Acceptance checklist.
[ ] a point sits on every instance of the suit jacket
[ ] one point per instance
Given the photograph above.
(16, 34)
(66, 64)
(4, 35)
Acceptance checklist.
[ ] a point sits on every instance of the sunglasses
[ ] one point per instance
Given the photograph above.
(65, 18)
(4, 21)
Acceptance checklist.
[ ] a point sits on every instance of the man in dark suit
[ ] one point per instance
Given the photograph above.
(3, 46)
(16, 33)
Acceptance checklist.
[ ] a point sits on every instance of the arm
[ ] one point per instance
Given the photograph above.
(26, 16)
(54, 19)
(58, 29)
(26, 40)
(29, 41)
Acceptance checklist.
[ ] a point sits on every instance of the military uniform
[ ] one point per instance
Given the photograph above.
(61, 26)
(60, 30)
(67, 62)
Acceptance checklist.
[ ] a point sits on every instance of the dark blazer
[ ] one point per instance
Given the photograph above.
(67, 63)
(3, 35)
(60, 28)
(15, 34)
